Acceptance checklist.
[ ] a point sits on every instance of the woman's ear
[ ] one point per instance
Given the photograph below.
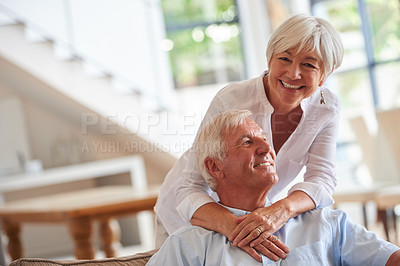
(324, 78)
(213, 167)
(322, 81)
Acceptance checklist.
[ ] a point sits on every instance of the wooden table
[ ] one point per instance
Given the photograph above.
(78, 210)
(385, 196)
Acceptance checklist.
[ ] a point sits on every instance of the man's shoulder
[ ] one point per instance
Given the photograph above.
(205, 247)
(326, 217)
(191, 232)
(191, 229)
(324, 213)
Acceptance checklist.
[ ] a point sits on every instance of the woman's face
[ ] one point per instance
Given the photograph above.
(293, 77)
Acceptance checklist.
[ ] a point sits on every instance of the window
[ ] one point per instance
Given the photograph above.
(367, 79)
(203, 40)
(370, 32)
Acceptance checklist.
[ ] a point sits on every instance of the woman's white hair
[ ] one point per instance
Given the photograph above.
(310, 34)
(210, 142)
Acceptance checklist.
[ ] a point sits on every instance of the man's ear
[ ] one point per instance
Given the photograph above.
(213, 167)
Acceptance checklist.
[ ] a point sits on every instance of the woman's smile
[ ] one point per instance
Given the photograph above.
(288, 86)
(294, 75)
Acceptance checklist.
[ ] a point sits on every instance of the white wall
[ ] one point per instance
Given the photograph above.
(14, 145)
(255, 26)
(54, 125)
(122, 38)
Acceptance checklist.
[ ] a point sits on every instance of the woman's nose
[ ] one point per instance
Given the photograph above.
(294, 71)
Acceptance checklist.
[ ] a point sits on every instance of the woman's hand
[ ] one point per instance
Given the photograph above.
(256, 229)
(272, 248)
(221, 220)
(270, 219)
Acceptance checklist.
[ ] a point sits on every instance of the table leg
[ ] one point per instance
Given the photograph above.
(81, 230)
(365, 216)
(110, 234)
(395, 224)
(382, 216)
(13, 231)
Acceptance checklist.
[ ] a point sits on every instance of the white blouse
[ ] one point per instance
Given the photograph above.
(312, 144)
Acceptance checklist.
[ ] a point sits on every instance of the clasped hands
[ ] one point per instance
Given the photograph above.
(254, 233)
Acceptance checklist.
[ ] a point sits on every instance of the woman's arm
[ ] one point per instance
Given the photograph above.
(269, 219)
(213, 216)
(191, 190)
(394, 259)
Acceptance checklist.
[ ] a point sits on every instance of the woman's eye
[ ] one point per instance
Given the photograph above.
(309, 65)
(283, 58)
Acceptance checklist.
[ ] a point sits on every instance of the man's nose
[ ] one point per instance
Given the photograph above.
(263, 147)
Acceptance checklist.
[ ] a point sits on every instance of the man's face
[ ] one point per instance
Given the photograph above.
(249, 160)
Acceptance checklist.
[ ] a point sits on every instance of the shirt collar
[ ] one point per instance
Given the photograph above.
(239, 213)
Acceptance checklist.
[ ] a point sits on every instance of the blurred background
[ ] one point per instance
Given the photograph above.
(90, 80)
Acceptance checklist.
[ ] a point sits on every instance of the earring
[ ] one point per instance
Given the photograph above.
(322, 101)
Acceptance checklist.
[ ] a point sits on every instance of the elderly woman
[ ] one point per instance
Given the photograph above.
(300, 119)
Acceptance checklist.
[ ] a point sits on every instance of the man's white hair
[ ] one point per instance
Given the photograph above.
(210, 142)
(309, 34)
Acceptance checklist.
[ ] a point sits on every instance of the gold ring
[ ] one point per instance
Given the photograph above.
(259, 230)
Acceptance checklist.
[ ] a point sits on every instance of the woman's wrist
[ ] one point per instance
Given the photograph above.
(213, 216)
(296, 203)
(287, 208)
(229, 225)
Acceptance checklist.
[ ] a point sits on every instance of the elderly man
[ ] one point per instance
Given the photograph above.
(238, 163)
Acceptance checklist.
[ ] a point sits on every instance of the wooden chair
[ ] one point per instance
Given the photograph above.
(389, 122)
(388, 198)
(368, 145)
(377, 150)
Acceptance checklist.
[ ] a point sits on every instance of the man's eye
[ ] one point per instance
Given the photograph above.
(247, 142)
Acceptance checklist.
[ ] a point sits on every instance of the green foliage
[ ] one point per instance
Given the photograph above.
(385, 24)
(178, 12)
(192, 58)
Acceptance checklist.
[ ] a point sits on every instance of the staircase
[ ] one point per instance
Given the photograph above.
(79, 89)
(137, 108)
